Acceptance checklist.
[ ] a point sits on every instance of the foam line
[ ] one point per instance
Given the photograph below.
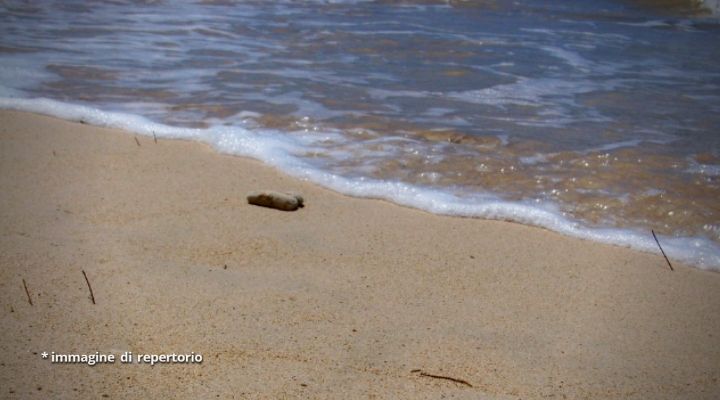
(277, 149)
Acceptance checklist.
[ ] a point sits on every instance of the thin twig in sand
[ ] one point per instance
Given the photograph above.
(92, 296)
(447, 378)
(27, 292)
(662, 251)
(137, 141)
(154, 137)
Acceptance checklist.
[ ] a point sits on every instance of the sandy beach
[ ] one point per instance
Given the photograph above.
(345, 298)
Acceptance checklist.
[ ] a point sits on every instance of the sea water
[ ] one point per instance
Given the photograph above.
(597, 119)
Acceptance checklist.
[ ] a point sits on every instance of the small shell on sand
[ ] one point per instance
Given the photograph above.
(277, 200)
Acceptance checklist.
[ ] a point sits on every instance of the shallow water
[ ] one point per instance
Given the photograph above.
(597, 119)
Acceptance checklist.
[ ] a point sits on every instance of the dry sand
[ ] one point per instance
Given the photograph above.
(341, 299)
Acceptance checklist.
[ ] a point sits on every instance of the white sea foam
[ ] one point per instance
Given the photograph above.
(527, 91)
(570, 57)
(279, 150)
(685, 25)
(704, 169)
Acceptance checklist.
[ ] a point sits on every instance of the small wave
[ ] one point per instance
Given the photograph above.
(278, 149)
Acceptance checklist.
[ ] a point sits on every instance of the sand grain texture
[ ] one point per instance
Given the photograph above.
(341, 300)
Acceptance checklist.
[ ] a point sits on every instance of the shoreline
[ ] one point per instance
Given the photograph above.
(700, 252)
(344, 298)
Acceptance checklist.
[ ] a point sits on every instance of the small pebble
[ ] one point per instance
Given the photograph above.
(276, 200)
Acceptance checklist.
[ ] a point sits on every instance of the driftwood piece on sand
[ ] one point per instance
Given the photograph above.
(276, 200)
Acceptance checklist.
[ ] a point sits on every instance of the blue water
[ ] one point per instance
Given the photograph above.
(596, 119)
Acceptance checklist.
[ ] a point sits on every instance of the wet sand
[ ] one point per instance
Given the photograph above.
(345, 298)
